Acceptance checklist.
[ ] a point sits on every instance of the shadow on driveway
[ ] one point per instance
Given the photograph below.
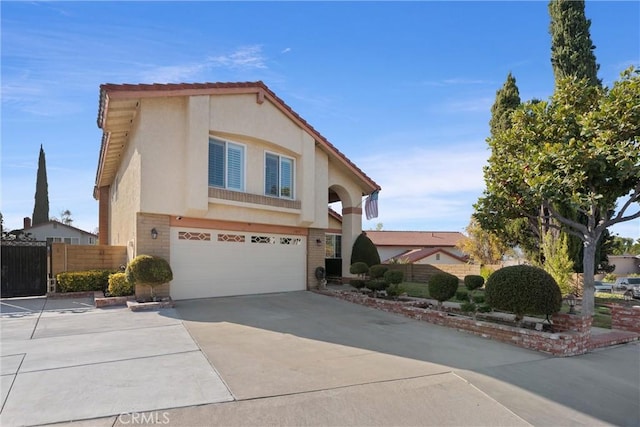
(302, 335)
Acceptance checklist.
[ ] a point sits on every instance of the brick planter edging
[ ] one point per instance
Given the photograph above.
(626, 318)
(569, 342)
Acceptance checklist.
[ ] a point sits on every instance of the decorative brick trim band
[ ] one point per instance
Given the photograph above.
(237, 196)
(569, 343)
(347, 211)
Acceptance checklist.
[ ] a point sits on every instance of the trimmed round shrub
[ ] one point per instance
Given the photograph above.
(394, 290)
(484, 308)
(359, 268)
(377, 271)
(119, 285)
(364, 251)
(473, 281)
(523, 289)
(394, 277)
(149, 270)
(443, 286)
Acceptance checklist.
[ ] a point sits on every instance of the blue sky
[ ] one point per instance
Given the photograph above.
(404, 89)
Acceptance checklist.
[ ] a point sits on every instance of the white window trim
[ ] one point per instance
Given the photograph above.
(244, 163)
(293, 173)
(335, 246)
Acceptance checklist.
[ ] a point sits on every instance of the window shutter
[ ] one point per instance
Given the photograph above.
(216, 163)
(286, 178)
(235, 160)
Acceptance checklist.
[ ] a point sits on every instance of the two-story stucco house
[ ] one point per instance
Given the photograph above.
(226, 182)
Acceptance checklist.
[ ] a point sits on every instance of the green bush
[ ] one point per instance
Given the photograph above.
(377, 271)
(473, 281)
(364, 251)
(462, 295)
(443, 286)
(81, 281)
(119, 285)
(478, 299)
(377, 284)
(484, 308)
(523, 289)
(394, 290)
(149, 270)
(394, 277)
(357, 283)
(467, 307)
(359, 268)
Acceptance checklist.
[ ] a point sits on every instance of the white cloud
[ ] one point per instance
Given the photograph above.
(286, 50)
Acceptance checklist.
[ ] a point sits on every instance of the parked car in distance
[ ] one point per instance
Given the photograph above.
(624, 283)
(603, 287)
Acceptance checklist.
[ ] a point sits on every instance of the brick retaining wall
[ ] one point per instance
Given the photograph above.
(625, 318)
(568, 342)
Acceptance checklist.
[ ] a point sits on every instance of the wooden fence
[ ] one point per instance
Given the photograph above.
(66, 257)
(422, 272)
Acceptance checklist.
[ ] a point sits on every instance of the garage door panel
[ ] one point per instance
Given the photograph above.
(216, 263)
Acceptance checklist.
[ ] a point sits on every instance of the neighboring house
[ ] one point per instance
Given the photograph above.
(226, 182)
(625, 264)
(419, 247)
(56, 232)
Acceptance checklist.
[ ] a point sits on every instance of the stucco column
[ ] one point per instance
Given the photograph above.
(196, 155)
(351, 229)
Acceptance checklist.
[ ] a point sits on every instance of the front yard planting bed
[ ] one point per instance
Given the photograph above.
(571, 337)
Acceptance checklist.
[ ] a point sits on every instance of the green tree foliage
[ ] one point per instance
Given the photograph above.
(507, 101)
(41, 206)
(571, 46)
(364, 251)
(582, 148)
(625, 246)
(483, 247)
(556, 259)
(523, 289)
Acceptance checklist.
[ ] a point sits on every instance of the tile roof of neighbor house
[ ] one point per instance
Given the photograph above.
(58, 223)
(414, 255)
(121, 91)
(415, 238)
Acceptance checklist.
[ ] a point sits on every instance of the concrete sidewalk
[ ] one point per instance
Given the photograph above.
(295, 359)
(71, 362)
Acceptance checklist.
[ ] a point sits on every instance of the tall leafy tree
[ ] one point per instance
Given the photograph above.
(482, 246)
(511, 230)
(582, 148)
(572, 56)
(41, 207)
(571, 46)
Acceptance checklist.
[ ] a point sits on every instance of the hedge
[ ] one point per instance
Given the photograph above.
(81, 281)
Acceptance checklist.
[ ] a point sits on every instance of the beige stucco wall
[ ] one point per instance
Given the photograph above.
(444, 259)
(170, 162)
(125, 194)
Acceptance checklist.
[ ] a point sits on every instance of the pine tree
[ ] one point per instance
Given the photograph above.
(507, 100)
(41, 207)
(571, 47)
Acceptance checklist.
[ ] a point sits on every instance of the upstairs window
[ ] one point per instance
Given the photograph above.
(278, 178)
(226, 165)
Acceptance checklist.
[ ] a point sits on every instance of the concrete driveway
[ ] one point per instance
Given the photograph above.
(300, 359)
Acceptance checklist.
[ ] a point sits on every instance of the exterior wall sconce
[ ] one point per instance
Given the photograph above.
(571, 300)
(319, 242)
(154, 233)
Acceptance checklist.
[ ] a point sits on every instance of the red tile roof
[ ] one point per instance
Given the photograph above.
(415, 255)
(415, 238)
(186, 89)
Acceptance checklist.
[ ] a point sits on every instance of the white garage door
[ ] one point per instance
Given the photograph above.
(215, 263)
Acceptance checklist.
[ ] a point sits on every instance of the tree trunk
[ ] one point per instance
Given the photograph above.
(588, 262)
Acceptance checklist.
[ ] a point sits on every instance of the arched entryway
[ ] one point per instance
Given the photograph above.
(347, 225)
